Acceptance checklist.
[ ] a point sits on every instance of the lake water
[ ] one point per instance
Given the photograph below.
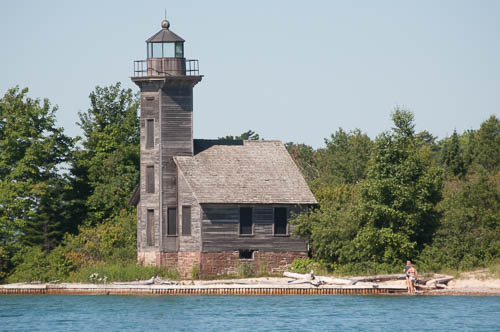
(249, 313)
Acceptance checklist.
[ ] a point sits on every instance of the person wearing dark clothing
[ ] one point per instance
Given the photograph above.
(405, 271)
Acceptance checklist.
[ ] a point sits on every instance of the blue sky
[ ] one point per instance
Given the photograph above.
(290, 70)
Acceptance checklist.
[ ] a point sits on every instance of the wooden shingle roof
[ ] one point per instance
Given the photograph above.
(244, 172)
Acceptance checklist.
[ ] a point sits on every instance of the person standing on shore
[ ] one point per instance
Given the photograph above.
(405, 271)
(412, 272)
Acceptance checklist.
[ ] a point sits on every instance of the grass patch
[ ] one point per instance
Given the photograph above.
(107, 272)
(494, 269)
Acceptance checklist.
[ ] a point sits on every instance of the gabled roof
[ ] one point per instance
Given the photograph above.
(244, 172)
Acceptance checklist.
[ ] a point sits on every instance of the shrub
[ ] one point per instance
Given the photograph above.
(469, 231)
(33, 264)
(246, 270)
(302, 265)
(195, 272)
(110, 241)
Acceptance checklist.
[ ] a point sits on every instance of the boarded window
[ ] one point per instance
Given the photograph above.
(186, 220)
(246, 220)
(150, 228)
(150, 179)
(280, 221)
(150, 133)
(172, 221)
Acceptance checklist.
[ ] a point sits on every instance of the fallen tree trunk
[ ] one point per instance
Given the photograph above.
(317, 280)
(152, 281)
(379, 278)
(335, 281)
(443, 280)
(136, 282)
(307, 276)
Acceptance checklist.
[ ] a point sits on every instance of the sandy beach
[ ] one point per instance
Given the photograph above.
(477, 283)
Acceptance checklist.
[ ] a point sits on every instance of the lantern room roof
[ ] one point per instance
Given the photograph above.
(164, 35)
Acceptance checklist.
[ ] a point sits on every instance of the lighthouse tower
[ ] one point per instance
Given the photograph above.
(166, 80)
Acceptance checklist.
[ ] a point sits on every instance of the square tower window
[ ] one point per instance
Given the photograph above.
(172, 221)
(150, 179)
(186, 220)
(150, 228)
(150, 133)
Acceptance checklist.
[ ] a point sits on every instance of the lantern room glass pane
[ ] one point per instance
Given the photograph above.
(168, 50)
(179, 50)
(157, 50)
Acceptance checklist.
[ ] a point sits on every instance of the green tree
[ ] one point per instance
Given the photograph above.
(345, 158)
(106, 169)
(452, 156)
(487, 144)
(305, 158)
(398, 197)
(249, 135)
(331, 228)
(32, 151)
(469, 232)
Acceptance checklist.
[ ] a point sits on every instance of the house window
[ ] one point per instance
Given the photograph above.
(280, 221)
(150, 179)
(186, 220)
(150, 133)
(150, 228)
(172, 221)
(246, 222)
(246, 254)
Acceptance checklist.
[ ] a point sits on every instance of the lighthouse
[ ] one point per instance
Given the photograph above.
(206, 207)
(166, 80)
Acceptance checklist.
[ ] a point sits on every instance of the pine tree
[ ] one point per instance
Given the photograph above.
(452, 156)
(32, 150)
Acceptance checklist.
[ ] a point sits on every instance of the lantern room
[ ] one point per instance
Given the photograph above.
(165, 56)
(165, 44)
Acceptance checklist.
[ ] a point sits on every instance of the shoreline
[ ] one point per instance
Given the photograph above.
(252, 286)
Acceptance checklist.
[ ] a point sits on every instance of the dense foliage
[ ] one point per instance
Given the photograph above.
(414, 198)
(64, 212)
(107, 167)
(33, 210)
(82, 211)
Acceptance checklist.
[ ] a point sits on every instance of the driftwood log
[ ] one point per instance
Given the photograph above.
(306, 276)
(152, 281)
(378, 278)
(310, 278)
(442, 280)
(438, 281)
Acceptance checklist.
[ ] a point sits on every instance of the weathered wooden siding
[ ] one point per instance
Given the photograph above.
(190, 242)
(168, 102)
(176, 140)
(220, 230)
(149, 157)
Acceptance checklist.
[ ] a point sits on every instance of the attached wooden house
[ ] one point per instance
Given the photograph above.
(207, 205)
